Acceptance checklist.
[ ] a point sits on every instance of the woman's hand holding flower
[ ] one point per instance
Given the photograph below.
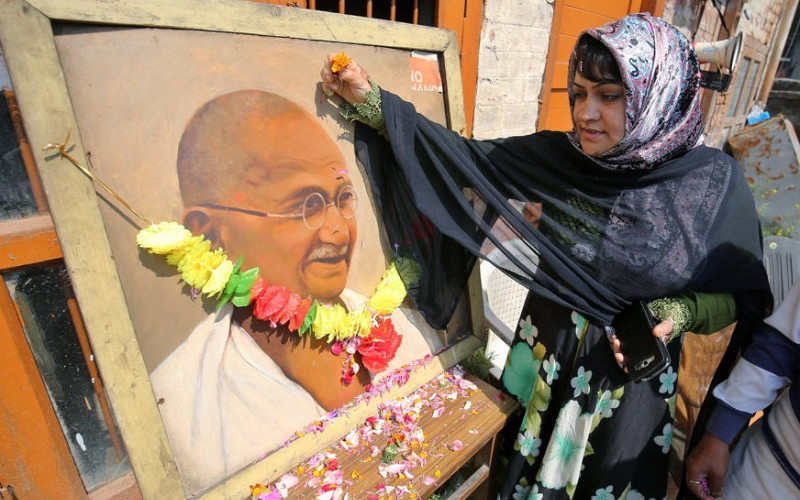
(344, 77)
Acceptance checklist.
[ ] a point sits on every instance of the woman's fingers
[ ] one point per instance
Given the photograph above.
(663, 330)
(351, 82)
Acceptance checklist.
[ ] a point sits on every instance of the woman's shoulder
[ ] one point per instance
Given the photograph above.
(712, 155)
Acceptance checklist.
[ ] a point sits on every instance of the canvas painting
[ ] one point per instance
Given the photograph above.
(229, 137)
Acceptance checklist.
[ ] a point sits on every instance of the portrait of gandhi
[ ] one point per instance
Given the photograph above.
(262, 179)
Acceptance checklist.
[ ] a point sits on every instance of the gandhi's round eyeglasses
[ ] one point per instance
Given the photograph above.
(313, 210)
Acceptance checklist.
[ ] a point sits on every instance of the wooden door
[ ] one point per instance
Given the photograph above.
(570, 18)
(732, 107)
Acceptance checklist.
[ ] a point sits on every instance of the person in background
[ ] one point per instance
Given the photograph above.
(633, 207)
(765, 463)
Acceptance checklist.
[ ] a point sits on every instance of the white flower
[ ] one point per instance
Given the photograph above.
(580, 324)
(634, 495)
(527, 330)
(562, 459)
(606, 405)
(580, 382)
(667, 380)
(604, 494)
(528, 445)
(521, 492)
(665, 439)
(551, 367)
(535, 495)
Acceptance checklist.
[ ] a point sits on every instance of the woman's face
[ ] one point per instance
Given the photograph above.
(598, 114)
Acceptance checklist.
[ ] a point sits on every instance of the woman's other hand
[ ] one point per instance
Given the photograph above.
(661, 331)
(351, 83)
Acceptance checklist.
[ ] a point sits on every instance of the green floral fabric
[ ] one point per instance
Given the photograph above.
(585, 431)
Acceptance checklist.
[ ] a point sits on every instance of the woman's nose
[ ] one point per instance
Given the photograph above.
(589, 111)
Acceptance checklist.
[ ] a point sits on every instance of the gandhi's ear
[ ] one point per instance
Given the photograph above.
(198, 220)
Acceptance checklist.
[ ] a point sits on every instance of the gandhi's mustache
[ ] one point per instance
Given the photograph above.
(327, 251)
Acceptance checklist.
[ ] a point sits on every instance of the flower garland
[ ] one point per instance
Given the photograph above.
(367, 331)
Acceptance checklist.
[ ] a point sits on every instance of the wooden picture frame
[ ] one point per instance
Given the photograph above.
(28, 37)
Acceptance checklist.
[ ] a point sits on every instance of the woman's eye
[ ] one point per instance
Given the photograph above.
(580, 95)
(611, 97)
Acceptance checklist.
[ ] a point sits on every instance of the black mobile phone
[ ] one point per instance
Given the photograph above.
(645, 355)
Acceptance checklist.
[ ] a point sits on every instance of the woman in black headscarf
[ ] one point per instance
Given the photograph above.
(632, 208)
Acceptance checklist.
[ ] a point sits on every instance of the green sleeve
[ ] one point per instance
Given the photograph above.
(697, 312)
(712, 311)
(368, 112)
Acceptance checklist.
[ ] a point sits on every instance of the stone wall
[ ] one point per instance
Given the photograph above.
(511, 63)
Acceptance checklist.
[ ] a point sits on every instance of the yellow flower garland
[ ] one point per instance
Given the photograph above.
(211, 272)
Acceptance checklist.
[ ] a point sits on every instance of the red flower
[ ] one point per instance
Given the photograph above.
(379, 348)
(283, 315)
(300, 314)
(271, 301)
(257, 288)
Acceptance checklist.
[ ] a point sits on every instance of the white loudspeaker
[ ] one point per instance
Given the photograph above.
(722, 53)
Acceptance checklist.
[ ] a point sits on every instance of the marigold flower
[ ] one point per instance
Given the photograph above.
(197, 265)
(218, 279)
(256, 489)
(175, 257)
(340, 62)
(362, 322)
(163, 238)
(389, 293)
(330, 322)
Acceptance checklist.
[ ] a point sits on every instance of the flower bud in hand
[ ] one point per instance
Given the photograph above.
(344, 77)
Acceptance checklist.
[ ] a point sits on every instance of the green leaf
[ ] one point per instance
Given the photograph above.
(247, 279)
(571, 489)
(309, 319)
(538, 403)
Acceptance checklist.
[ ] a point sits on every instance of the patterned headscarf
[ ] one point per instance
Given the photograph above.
(661, 77)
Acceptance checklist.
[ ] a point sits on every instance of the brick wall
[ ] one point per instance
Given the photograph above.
(511, 63)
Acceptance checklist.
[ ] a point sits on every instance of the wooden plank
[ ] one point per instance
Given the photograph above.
(465, 18)
(565, 44)
(27, 241)
(613, 10)
(472, 483)
(560, 116)
(235, 16)
(560, 74)
(576, 21)
(124, 488)
(25, 150)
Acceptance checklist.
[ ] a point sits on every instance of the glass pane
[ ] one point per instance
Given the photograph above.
(16, 196)
(737, 92)
(41, 297)
(745, 102)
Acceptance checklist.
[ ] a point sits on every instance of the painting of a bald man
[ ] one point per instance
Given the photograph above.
(261, 178)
